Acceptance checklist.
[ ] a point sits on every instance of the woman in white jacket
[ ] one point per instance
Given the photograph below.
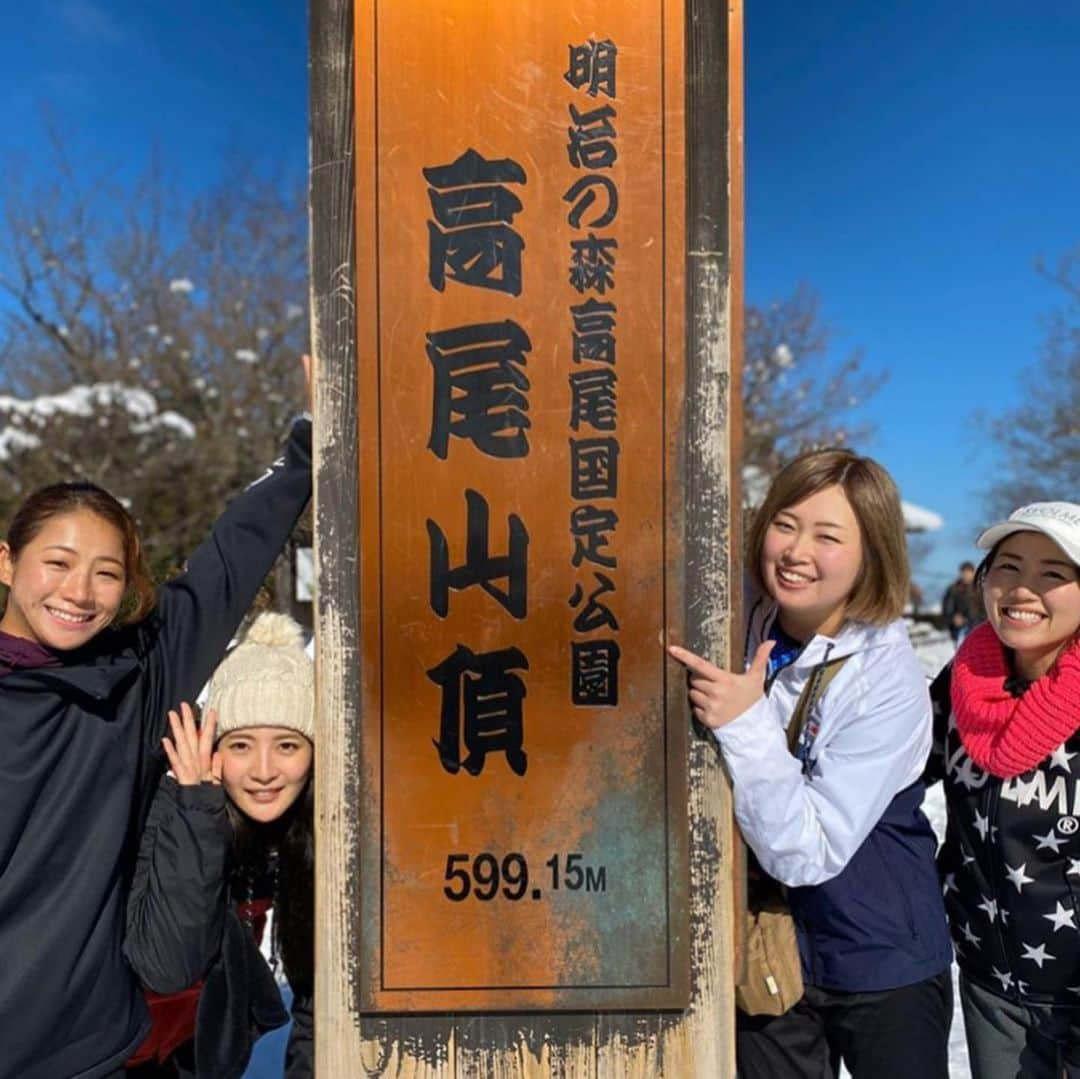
(837, 821)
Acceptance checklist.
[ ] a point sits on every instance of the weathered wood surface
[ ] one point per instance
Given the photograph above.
(699, 1042)
(332, 184)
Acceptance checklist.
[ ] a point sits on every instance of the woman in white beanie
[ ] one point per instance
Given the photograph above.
(1007, 744)
(230, 837)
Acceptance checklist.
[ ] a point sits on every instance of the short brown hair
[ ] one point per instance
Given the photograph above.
(60, 498)
(882, 586)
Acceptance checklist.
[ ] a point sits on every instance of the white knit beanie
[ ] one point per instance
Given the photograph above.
(267, 680)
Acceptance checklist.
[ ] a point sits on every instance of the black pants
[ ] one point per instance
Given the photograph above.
(897, 1034)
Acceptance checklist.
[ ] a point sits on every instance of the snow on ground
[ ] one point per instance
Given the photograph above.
(934, 807)
(933, 646)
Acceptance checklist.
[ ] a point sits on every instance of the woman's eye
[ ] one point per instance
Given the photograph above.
(783, 526)
(829, 539)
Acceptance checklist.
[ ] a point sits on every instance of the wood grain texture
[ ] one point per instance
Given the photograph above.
(346, 1045)
(333, 338)
(736, 356)
(699, 1042)
(526, 1046)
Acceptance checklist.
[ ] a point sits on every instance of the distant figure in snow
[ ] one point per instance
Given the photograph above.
(960, 607)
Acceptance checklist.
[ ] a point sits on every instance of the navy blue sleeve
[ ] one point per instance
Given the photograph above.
(199, 611)
(176, 907)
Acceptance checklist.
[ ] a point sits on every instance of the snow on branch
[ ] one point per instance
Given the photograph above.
(84, 401)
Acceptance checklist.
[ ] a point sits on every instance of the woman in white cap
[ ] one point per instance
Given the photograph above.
(1007, 744)
(230, 838)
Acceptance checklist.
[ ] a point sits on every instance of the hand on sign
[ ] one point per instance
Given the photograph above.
(191, 749)
(718, 696)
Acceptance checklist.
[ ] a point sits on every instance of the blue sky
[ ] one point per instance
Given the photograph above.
(908, 161)
(128, 78)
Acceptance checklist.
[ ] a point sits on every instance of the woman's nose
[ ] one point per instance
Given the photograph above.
(796, 547)
(77, 588)
(264, 766)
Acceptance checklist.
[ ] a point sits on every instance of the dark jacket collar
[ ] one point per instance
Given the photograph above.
(97, 670)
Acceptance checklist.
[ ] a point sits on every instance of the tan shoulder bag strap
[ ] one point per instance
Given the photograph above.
(812, 692)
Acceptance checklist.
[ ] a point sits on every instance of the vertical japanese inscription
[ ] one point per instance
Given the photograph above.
(593, 199)
(479, 394)
(525, 850)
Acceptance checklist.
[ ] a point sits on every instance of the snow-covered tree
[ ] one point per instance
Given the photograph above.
(1037, 441)
(796, 396)
(149, 341)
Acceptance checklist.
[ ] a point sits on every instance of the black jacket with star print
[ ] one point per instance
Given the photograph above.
(1010, 866)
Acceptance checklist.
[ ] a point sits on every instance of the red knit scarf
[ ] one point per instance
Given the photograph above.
(1004, 735)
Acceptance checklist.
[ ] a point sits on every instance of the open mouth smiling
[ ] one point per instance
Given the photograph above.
(1022, 615)
(790, 576)
(264, 795)
(70, 617)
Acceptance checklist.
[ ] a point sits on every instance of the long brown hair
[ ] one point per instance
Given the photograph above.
(292, 836)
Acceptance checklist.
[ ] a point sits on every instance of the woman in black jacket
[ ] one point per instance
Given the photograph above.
(230, 839)
(89, 666)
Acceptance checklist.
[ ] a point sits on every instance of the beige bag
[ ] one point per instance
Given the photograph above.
(774, 982)
(773, 970)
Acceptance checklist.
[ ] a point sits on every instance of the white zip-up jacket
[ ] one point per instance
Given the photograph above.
(867, 739)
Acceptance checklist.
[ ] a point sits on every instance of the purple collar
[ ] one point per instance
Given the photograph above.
(17, 653)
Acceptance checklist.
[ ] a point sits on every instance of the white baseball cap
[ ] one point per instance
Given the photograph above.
(1058, 520)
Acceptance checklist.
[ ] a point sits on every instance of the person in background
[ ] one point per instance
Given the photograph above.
(1006, 744)
(837, 821)
(230, 838)
(960, 608)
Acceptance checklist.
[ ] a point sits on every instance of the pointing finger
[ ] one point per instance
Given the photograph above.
(694, 663)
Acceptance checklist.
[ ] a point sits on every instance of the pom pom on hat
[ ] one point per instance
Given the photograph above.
(267, 680)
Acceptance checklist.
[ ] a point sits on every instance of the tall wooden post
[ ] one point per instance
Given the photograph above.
(356, 1032)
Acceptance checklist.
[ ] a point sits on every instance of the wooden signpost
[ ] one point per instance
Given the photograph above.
(526, 229)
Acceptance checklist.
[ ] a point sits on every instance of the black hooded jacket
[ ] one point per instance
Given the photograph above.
(81, 760)
(183, 926)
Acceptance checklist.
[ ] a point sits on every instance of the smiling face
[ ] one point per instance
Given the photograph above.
(67, 583)
(811, 557)
(264, 769)
(1032, 597)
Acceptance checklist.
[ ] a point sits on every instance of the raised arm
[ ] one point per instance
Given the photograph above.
(199, 611)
